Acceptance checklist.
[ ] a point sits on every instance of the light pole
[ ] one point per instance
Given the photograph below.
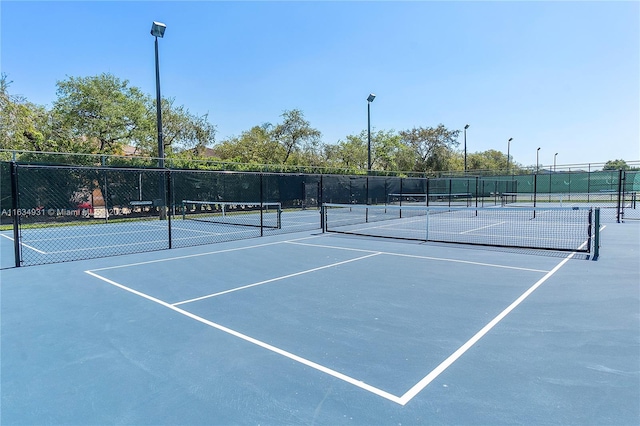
(157, 30)
(465, 148)
(509, 155)
(554, 162)
(537, 159)
(369, 100)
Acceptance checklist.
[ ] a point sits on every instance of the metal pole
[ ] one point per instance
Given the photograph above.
(159, 112)
(509, 155)
(368, 137)
(161, 189)
(465, 147)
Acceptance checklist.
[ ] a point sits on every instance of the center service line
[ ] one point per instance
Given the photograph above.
(274, 279)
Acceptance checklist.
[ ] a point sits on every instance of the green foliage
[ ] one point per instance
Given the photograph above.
(103, 113)
(350, 153)
(487, 160)
(432, 146)
(296, 135)
(256, 145)
(181, 130)
(616, 165)
(23, 125)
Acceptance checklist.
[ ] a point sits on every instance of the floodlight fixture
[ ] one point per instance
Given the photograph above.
(371, 97)
(157, 29)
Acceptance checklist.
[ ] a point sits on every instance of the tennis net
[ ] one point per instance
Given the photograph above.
(241, 213)
(603, 199)
(559, 229)
(443, 199)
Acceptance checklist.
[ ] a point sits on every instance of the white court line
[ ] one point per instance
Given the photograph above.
(26, 245)
(418, 387)
(517, 268)
(483, 227)
(259, 343)
(274, 279)
(187, 256)
(407, 396)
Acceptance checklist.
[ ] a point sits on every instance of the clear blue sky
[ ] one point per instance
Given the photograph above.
(562, 76)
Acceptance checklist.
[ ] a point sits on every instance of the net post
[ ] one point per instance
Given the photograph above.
(323, 219)
(428, 191)
(477, 183)
(535, 191)
(279, 218)
(262, 207)
(426, 236)
(402, 192)
(596, 234)
(14, 212)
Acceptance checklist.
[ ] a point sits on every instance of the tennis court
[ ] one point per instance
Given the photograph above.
(41, 245)
(323, 328)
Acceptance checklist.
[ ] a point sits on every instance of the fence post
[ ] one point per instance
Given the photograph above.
(321, 200)
(535, 192)
(14, 212)
(620, 196)
(596, 236)
(171, 206)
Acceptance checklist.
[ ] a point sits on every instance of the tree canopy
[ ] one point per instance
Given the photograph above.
(104, 114)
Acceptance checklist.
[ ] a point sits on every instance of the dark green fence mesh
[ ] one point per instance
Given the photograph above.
(69, 213)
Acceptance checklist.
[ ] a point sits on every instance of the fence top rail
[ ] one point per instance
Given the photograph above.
(174, 162)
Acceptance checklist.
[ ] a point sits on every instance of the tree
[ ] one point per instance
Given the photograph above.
(22, 124)
(295, 134)
(432, 147)
(389, 153)
(350, 153)
(487, 160)
(252, 146)
(103, 112)
(616, 165)
(181, 130)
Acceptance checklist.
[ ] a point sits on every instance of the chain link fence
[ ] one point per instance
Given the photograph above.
(59, 213)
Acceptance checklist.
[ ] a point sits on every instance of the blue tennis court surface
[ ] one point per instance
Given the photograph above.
(311, 328)
(54, 244)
